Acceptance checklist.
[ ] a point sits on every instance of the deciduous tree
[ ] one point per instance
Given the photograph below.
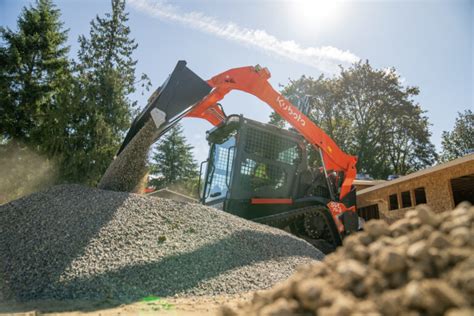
(459, 141)
(370, 114)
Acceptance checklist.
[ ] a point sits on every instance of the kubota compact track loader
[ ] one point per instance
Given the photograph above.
(259, 171)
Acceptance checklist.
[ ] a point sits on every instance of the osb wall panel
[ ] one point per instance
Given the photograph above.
(362, 186)
(437, 188)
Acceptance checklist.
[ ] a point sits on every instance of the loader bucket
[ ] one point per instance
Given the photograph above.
(174, 97)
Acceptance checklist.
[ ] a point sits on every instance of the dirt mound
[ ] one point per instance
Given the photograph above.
(73, 242)
(422, 264)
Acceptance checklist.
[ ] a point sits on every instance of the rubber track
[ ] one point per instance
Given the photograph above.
(284, 219)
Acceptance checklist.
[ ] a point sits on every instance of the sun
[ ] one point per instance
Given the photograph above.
(314, 12)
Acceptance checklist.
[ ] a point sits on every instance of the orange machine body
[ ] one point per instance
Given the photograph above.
(254, 80)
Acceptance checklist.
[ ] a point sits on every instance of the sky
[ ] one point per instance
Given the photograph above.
(429, 42)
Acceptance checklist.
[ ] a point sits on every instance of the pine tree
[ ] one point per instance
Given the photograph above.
(460, 141)
(173, 161)
(34, 79)
(276, 119)
(105, 78)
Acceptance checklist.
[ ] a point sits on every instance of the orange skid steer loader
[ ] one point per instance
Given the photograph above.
(259, 171)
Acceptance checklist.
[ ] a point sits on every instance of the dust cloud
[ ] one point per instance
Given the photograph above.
(23, 171)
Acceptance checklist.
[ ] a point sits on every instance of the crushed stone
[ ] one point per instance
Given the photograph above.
(422, 264)
(127, 170)
(76, 242)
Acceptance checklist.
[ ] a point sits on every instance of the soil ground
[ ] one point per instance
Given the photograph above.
(189, 306)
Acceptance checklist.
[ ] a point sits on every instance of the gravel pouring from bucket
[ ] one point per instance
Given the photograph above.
(167, 105)
(126, 171)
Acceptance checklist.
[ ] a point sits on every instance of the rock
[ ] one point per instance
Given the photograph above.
(411, 214)
(227, 311)
(424, 268)
(416, 274)
(352, 270)
(460, 236)
(418, 250)
(445, 294)
(415, 223)
(281, 307)
(415, 296)
(309, 292)
(460, 312)
(341, 306)
(375, 282)
(390, 302)
(364, 238)
(360, 253)
(400, 227)
(438, 240)
(377, 228)
(390, 261)
(351, 241)
(428, 217)
(375, 248)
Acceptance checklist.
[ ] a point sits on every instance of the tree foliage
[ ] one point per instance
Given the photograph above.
(34, 79)
(74, 112)
(460, 141)
(104, 78)
(370, 114)
(173, 162)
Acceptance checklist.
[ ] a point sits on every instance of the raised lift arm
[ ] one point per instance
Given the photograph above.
(185, 94)
(254, 80)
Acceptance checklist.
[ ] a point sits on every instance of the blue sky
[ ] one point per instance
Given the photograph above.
(430, 43)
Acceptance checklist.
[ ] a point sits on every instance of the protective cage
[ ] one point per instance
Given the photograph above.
(249, 160)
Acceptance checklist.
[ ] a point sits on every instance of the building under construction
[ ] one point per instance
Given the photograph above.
(441, 187)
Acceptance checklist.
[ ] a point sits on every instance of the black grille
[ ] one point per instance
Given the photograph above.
(273, 147)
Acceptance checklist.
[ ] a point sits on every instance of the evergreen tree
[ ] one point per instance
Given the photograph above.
(276, 119)
(105, 78)
(173, 161)
(460, 141)
(34, 77)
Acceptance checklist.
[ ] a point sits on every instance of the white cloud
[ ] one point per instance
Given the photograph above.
(325, 58)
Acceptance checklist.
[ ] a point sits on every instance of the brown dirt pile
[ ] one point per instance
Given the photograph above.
(422, 264)
(127, 170)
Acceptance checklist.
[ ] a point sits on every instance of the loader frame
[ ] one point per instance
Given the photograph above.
(184, 94)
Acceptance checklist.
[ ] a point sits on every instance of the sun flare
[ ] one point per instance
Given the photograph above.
(315, 12)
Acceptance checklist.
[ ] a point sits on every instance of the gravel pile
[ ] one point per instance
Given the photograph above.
(72, 242)
(127, 170)
(422, 264)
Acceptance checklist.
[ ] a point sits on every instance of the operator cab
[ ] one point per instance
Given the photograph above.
(251, 162)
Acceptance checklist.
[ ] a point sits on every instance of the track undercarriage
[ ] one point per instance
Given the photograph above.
(312, 223)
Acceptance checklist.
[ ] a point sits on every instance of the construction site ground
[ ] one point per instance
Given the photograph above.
(100, 252)
(189, 306)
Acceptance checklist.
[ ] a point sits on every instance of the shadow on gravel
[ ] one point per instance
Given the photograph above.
(179, 273)
(38, 231)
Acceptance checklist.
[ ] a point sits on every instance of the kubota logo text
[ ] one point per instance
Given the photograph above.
(285, 106)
